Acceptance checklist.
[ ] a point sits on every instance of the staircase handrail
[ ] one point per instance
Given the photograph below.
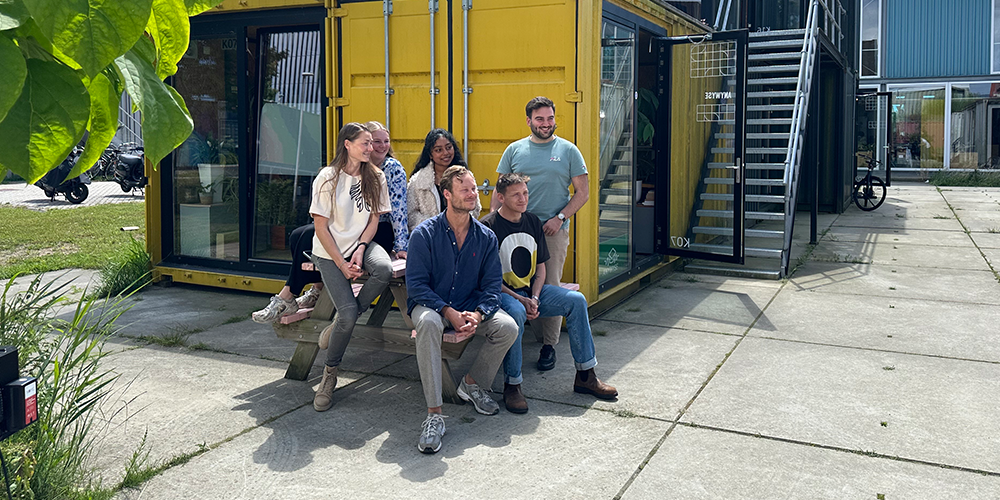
(799, 114)
(831, 20)
(607, 140)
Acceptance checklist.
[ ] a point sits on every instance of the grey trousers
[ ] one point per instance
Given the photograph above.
(500, 332)
(379, 267)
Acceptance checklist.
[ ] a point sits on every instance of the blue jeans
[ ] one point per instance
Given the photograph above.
(553, 301)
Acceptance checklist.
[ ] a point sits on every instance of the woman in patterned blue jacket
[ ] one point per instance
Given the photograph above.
(392, 231)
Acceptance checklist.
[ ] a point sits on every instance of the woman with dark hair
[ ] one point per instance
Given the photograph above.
(392, 232)
(424, 198)
(348, 196)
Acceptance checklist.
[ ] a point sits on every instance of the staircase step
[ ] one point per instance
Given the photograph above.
(613, 223)
(753, 151)
(773, 68)
(747, 233)
(771, 107)
(776, 44)
(759, 121)
(621, 177)
(771, 94)
(769, 253)
(732, 270)
(754, 135)
(728, 214)
(750, 166)
(748, 182)
(616, 191)
(787, 80)
(797, 32)
(621, 162)
(776, 56)
(749, 198)
(611, 207)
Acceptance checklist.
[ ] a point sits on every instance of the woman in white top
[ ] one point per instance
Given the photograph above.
(347, 198)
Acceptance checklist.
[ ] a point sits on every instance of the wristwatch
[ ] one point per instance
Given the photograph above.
(561, 216)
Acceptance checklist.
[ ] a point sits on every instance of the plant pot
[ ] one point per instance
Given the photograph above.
(278, 237)
(205, 198)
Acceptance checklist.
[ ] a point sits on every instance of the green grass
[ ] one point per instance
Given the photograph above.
(970, 179)
(86, 237)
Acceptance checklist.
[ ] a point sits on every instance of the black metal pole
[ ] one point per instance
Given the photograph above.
(815, 133)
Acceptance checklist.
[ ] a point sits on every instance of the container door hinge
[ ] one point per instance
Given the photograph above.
(340, 102)
(574, 97)
(340, 12)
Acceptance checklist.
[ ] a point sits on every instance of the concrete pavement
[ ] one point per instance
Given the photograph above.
(874, 370)
(20, 194)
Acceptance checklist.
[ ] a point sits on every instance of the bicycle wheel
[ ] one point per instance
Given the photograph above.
(869, 196)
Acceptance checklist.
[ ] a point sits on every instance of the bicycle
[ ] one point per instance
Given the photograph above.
(869, 191)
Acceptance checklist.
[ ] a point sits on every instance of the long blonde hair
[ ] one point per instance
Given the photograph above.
(371, 187)
(372, 126)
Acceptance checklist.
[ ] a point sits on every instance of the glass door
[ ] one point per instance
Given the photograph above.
(289, 136)
(871, 130)
(703, 80)
(617, 150)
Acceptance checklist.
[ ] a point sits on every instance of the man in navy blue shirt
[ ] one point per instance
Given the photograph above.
(453, 280)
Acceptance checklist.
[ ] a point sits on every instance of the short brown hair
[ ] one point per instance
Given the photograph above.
(538, 103)
(450, 174)
(507, 180)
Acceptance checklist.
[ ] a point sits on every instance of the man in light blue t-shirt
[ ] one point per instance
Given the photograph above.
(552, 163)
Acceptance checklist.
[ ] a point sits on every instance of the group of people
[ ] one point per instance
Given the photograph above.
(501, 271)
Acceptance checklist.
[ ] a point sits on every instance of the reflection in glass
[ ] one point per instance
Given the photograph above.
(206, 173)
(918, 127)
(616, 151)
(289, 138)
(870, 112)
(870, 27)
(975, 125)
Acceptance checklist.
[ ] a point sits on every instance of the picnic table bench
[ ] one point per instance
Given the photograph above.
(305, 326)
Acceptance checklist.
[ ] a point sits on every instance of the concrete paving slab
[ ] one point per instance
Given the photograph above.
(909, 326)
(183, 309)
(927, 237)
(945, 222)
(915, 407)
(986, 240)
(963, 257)
(185, 398)
(987, 222)
(710, 307)
(365, 447)
(703, 464)
(680, 279)
(958, 285)
(984, 207)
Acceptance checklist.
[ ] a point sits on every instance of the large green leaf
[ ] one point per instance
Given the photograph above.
(104, 100)
(92, 32)
(48, 118)
(195, 7)
(170, 28)
(12, 14)
(13, 74)
(166, 122)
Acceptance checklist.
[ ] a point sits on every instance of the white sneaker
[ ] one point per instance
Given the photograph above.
(275, 310)
(308, 300)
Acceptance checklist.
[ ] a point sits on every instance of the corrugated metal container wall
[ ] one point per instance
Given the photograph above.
(934, 38)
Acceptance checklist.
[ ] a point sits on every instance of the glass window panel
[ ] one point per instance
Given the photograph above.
(918, 127)
(616, 151)
(975, 108)
(870, 28)
(206, 171)
(289, 138)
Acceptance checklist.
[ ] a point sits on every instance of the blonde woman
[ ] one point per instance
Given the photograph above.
(392, 232)
(348, 196)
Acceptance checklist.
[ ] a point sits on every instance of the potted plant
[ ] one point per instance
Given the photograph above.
(213, 157)
(206, 193)
(274, 209)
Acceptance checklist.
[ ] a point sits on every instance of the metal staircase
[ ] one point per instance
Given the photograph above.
(779, 77)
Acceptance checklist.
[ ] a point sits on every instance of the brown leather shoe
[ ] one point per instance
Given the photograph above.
(513, 399)
(588, 383)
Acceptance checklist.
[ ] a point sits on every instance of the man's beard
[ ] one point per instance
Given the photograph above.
(537, 132)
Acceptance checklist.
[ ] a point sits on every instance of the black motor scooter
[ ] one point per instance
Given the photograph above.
(129, 172)
(55, 181)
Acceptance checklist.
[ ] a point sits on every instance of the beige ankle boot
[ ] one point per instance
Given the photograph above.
(324, 394)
